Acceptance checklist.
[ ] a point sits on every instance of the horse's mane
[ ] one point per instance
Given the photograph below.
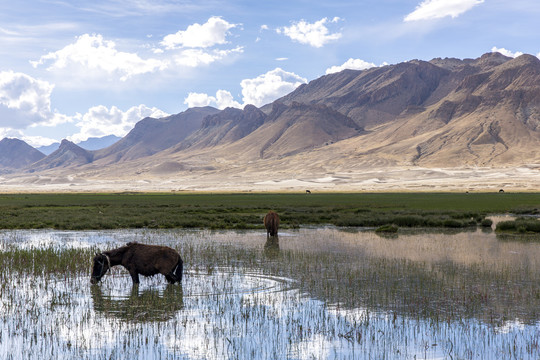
(120, 250)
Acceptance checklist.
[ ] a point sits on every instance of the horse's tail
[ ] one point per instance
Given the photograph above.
(178, 270)
(273, 226)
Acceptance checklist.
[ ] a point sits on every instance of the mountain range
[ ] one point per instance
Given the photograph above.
(443, 113)
(92, 143)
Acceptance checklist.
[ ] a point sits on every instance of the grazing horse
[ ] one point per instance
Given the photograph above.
(271, 222)
(141, 259)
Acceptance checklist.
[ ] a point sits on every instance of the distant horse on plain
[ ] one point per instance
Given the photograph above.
(271, 222)
(147, 260)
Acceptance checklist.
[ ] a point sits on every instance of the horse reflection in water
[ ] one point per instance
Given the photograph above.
(271, 223)
(144, 306)
(271, 247)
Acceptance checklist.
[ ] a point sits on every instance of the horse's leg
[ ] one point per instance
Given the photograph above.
(134, 276)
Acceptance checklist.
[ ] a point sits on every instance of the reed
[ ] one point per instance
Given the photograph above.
(313, 293)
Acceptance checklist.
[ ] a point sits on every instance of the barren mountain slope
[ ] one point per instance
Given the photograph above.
(16, 154)
(150, 136)
(68, 155)
(491, 119)
(446, 113)
(227, 126)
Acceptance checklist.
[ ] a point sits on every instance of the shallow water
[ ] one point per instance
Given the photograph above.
(321, 293)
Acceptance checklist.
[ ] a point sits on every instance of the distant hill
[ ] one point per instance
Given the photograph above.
(49, 149)
(97, 143)
(92, 143)
(16, 154)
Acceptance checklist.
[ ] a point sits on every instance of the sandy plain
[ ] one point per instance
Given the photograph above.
(368, 179)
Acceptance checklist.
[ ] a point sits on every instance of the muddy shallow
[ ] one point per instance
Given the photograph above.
(320, 293)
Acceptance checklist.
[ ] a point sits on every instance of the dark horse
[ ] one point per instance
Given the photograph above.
(141, 259)
(271, 222)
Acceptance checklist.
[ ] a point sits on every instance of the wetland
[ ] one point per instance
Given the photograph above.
(318, 292)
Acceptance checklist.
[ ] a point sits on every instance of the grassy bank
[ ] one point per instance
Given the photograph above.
(245, 211)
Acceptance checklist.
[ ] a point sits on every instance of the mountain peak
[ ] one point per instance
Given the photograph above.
(17, 154)
(67, 155)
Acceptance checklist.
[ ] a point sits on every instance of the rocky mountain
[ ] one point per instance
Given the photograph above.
(67, 155)
(439, 113)
(292, 129)
(16, 154)
(150, 135)
(445, 112)
(224, 127)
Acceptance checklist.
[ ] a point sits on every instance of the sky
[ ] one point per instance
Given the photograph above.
(74, 69)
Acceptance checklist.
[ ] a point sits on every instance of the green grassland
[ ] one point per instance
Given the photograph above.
(246, 210)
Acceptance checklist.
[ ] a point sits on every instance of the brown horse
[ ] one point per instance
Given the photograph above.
(271, 222)
(141, 259)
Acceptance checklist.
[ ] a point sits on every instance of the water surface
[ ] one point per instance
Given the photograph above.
(320, 293)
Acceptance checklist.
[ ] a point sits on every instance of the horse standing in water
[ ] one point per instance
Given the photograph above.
(141, 259)
(271, 222)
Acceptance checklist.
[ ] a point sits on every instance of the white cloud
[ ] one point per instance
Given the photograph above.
(258, 91)
(35, 141)
(436, 9)
(25, 101)
(197, 57)
(213, 32)
(506, 52)
(353, 64)
(222, 100)
(315, 34)
(91, 53)
(101, 121)
(270, 86)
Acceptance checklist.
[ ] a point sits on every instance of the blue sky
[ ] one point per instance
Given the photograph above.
(76, 69)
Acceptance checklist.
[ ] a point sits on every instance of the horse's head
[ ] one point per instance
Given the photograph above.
(102, 263)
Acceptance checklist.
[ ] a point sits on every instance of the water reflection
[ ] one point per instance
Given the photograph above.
(141, 305)
(271, 247)
(326, 293)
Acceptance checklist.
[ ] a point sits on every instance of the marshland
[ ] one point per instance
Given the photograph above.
(329, 286)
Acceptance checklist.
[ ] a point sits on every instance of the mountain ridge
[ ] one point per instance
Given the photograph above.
(438, 113)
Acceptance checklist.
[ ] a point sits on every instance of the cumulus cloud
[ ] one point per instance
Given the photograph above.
(222, 100)
(198, 44)
(352, 64)
(506, 52)
(268, 87)
(314, 34)
(197, 57)
(93, 53)
(213, 32)
(436, 9)
(25, 101)
(100, 121)
(258, 91)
